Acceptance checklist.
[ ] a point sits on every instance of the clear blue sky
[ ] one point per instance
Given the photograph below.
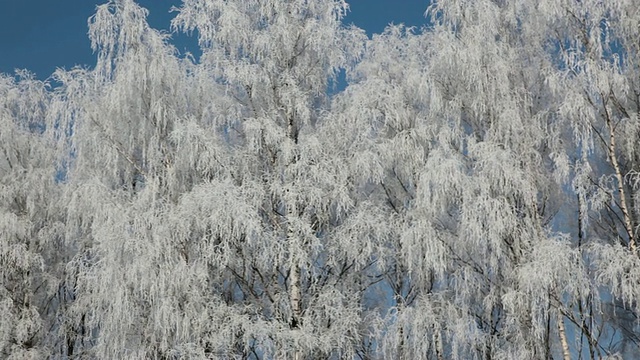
(41, 35)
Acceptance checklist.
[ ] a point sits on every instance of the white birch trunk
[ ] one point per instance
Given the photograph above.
(566, 354)
(621, 190)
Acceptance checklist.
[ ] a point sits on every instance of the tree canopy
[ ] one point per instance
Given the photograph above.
(468, 190)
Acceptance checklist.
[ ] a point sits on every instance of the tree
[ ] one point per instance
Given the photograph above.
(467, 185)
(600, 106)
(217, 212)
(476, 120)
(32, 293)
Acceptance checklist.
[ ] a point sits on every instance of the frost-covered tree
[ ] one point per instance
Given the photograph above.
(464, 145)
(217, 210)
(33, 296)
(597, 54)
(478, 124)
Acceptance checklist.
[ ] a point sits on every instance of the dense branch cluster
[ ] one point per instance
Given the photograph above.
(300, 191)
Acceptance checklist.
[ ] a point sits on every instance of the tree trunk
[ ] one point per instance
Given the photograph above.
(295, 294)
(620, 178)
(566, 355)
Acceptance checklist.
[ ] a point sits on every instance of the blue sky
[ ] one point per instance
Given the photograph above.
(41, 35)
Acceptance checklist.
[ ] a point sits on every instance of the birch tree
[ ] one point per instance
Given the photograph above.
(598, 55)
(471, 144)
(32, 256)
(219, 218)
